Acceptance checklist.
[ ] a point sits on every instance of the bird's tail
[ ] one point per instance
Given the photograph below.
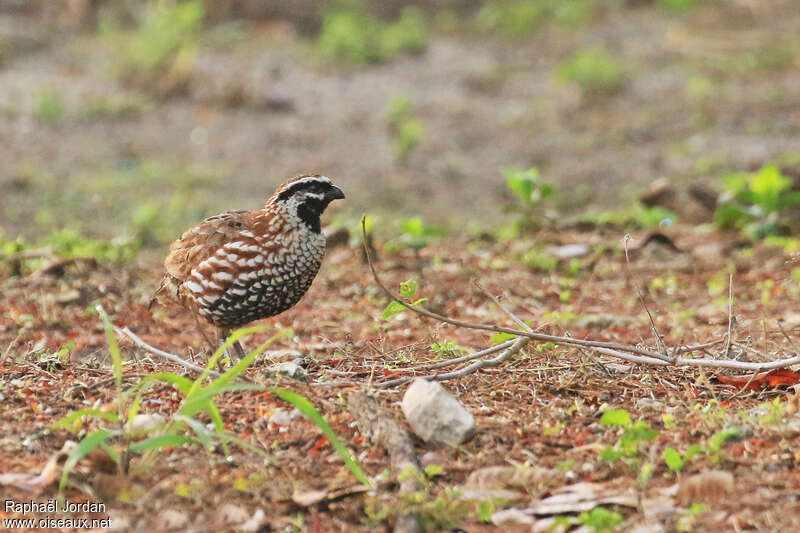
(164, 290)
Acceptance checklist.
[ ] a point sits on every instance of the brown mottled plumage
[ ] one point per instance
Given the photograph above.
(241, 266)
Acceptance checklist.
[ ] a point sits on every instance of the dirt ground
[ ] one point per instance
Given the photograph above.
(540, 411)
(486, 102)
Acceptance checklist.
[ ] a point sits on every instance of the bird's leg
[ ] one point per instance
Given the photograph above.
(239, 350)
(224, 333)
(223, 336)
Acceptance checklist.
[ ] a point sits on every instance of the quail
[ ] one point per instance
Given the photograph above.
(241, 266)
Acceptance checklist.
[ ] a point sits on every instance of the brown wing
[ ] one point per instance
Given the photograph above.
(197, 244)
(201, 242)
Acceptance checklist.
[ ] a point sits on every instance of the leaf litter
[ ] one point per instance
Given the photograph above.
(541, 410)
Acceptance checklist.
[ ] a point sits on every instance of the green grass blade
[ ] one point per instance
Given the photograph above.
(68, 421)
(238, 334)
(307, 408)
(199, 429)
(161, 441)
(219, 425)
(181, 383)
(114, 454)
(89, 443)
(113, 347)
(234, 372)
(198, 401)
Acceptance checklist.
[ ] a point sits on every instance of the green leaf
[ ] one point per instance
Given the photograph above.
(199, 429)
(212, 362)
(610, 455)
(523, 183)
(199, 401)
(500, 338)
(413, 227)
(161, 441)
(600, 520)
(673, 459)
(68, 422)
(392, 309)
(181, 383)
(409, 288)
(89, 443)
(307, 408)
(616, 417)
(433, 470)
(693, 450)
(716, 441)
(113, 347)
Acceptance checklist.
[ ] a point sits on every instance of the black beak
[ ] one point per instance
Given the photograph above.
(334, 193)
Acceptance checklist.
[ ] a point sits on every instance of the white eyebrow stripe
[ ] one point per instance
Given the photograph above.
(312, 179)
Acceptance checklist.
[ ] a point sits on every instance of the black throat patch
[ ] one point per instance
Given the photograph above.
(309, 212)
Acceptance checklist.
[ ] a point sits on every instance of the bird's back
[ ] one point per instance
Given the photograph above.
(241, 266)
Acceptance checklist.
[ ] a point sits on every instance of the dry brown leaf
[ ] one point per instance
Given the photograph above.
(713, 486)
(581, 497)
(34, 484)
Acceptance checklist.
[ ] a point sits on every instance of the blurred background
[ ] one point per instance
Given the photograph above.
(124, 121)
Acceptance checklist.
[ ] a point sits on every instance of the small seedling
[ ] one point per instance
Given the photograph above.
(530, 193)
(50, 107)
(447, 349)
(159, 55)
(408, 289)
(405, 129)
(675, 461)
(756, 203)
(595, 70)
(351, 34)
(416, 234)
(630, 445)
(600, 520)
(115, 431)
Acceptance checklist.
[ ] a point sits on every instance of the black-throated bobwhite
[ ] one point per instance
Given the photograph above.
(241, 266)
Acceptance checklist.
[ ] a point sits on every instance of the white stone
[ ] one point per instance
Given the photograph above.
(146, 422)
(435, 415)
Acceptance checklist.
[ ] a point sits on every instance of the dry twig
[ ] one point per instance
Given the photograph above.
(630, 353)
(161, 353)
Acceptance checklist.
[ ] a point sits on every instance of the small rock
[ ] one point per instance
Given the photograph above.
(68, 296)
(309, 497)
(648, 527)
(276, 356)
(254, 523)
(511, 517)
(568, 251)
(291, 369)
(435, 457)
(146, 422)
(171, 519)
(434, 415)
(232, 514)
(712, 314)
(792, 426)
(282, 417)
(708, 487)
(549, 525)
(118, 521)
(649, 404)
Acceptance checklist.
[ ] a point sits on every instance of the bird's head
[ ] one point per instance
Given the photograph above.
(307, 196)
